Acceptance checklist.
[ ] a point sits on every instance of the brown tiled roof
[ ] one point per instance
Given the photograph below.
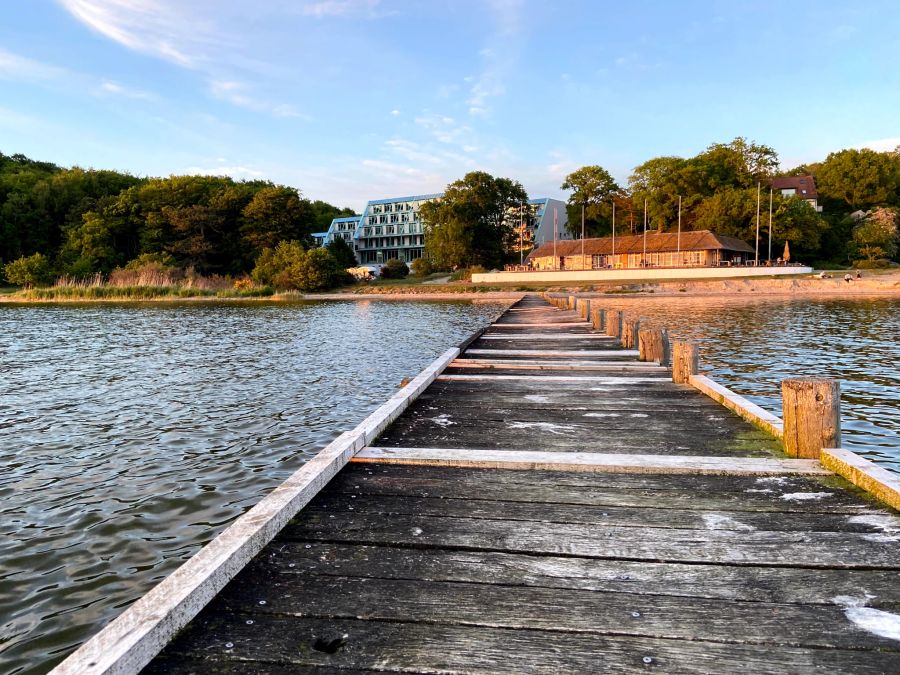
(696, 240)
(804, 185)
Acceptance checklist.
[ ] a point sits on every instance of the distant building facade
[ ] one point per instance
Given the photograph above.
(798, 186)
(700, 248)
(392, 228)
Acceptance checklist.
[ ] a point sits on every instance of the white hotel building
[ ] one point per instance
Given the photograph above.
(392, 228)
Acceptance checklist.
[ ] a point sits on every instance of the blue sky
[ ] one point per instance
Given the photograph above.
(356, 99)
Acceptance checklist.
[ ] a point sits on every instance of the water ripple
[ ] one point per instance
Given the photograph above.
(131, 435)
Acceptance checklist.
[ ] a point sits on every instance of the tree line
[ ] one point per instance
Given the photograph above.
(84, 222)
(859, 189)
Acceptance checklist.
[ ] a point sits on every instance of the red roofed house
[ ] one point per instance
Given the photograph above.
(698, 248)
(798, 186)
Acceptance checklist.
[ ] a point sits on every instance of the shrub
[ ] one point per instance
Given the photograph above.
(29, 271)
(288, 267)
(422, 267)
(394, 269)
(466, 273)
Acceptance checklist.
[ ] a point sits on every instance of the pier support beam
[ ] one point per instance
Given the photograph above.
(614, 324)
(630, 332)
(685, 361)
(572, 299)
(584, 308)
(811, 409)
(598, 318)
(653, 345)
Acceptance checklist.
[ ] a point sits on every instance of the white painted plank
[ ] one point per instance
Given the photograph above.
(746, 409)
(589, 461)
(524, 364)
(550, 336)
(557, 352)
(555, 378)
(548, 324)
(128, 643)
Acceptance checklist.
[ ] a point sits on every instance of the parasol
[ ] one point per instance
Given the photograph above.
(787, 252)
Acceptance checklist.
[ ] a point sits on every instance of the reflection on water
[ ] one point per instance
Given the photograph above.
(130, 435)
(751, 345)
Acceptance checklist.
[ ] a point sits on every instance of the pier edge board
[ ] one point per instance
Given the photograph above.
(131, 640)
(740, 405)
(863, 473)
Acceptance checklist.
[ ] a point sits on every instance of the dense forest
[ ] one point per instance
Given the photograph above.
(92, 221)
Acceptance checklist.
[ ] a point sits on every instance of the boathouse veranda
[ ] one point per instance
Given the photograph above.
(547, 499)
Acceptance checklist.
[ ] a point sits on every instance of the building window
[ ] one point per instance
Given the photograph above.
(382, 219)
(394, 218)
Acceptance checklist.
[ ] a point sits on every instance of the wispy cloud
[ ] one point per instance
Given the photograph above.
(223, 169)
(498, 59)
(16, 67)
(240, 95)
(328, 8)
(881, 144)
(156, 27)
(108, 87)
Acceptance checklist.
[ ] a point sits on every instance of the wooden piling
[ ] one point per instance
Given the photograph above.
(685, 361)
(630, 330)
(614, 323)
(585, 309)
(811, 409)
(598, 318)
(571, 302)
(653, 345)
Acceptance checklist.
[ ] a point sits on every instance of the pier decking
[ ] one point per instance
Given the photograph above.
(551, 504)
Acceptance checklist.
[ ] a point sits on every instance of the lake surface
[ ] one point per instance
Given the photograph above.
(131, 434)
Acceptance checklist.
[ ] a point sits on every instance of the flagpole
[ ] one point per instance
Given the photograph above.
(582, 236)
(555, 259)
(644, 254)
(758, 188)
(613, 265)
(770, 225)
(678, 254)
(521, 235)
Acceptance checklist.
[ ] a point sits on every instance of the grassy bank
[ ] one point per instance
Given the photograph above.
(75, 293)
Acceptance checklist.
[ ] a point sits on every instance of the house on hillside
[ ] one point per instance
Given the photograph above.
(798, 186)
(700, 248)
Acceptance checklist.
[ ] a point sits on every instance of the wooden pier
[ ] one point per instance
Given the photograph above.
(544, 501)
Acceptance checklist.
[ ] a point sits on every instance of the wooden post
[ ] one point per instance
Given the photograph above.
(585, 309)
(598, 317)
(630, 332)
(653, 345)
(614, 324)
(571, 302)
(811, 409)
(685, 361)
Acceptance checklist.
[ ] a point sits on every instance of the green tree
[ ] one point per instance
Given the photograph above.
(875, 238)
(342, 252)
(276, 214)
(859, 179)
(288, 266)
(593, 188)
(34, 270)
(470, 225)
(394, 269)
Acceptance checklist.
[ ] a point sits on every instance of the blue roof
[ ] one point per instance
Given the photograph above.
(414, 198)
(319, 234)
(346, 219)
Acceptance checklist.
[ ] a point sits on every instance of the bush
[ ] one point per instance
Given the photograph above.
(466, 273)
(880, 264)
(34, 270)
(394, 269)
(289, 267)
(422, 267)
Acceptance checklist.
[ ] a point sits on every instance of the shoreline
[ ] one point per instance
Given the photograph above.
(872, 286)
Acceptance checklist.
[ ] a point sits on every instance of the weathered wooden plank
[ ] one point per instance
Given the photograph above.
(580, 353)
(757, 584)
(552, 378)
(416, 647)
(785, 494)
(552, 336)
(592, 462)
(875, 480)
(578, 366)
(846, 550)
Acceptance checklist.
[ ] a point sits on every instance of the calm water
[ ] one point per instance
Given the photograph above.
(752, 345)
(130, 435)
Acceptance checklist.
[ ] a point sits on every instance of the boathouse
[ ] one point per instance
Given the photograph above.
(700, 248)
